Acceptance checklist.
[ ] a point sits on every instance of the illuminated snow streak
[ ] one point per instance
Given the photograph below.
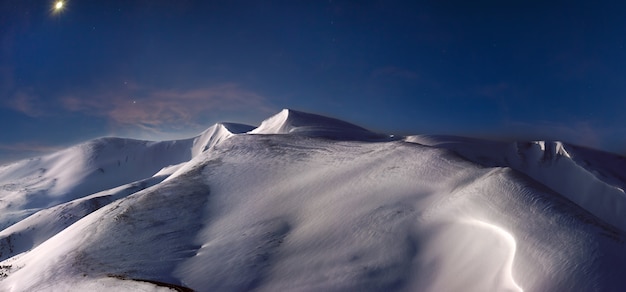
(507, 272)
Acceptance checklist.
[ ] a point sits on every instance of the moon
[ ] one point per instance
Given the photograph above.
(58, 5)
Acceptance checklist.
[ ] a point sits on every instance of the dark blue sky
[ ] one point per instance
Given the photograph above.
(168, 69)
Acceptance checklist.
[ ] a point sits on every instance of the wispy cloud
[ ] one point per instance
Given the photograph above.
(27, 103)
(151, 108)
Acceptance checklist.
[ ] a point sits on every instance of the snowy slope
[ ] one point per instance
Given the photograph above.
(592, 179)
(309, 203)
(39, 227)
(30, 185)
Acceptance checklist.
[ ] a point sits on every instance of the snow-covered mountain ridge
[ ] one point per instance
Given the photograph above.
(310, 203)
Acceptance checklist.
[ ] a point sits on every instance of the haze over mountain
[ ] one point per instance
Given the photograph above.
(311, 203)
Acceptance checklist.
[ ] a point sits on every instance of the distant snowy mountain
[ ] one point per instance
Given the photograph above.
(310, 203)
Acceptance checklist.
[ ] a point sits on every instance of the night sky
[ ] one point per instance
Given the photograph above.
(152, 69)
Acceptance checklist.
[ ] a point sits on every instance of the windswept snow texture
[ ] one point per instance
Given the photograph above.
(309, 203)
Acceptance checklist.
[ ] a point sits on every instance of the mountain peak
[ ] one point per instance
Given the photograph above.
(215, 134)
(289, 121)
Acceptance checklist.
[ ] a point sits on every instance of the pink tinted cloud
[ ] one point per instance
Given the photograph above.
(157, 107)
(26, 103)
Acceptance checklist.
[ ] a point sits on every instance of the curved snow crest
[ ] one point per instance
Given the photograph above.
(592, 179)
(305, 124)
(507, 279)
(469, 254)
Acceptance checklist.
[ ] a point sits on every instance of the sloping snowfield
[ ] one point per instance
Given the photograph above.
(309, 203)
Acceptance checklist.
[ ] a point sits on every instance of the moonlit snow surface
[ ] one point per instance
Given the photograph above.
(309, 203)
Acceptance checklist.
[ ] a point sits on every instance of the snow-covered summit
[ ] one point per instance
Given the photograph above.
(290, 121)
(215, 134)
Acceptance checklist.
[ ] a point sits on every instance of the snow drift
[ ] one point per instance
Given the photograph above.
(310, 203)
